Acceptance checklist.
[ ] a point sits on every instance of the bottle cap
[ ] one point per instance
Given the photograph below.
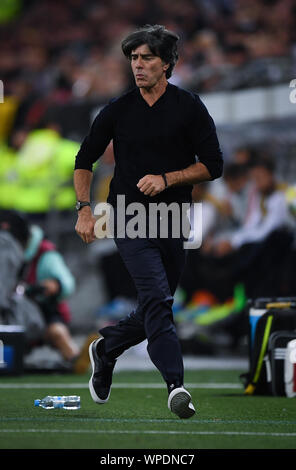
(37, 402)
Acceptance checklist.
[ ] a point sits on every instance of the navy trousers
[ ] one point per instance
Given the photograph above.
(155, 266)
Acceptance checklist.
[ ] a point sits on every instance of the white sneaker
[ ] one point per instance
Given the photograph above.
(179, 402)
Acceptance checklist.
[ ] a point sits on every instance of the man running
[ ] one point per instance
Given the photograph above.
(164, 142)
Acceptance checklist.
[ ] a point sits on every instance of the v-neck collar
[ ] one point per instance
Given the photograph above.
(160, 99)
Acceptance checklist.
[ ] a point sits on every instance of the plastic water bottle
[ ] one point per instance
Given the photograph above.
(71, 402)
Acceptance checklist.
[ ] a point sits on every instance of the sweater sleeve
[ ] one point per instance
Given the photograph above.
(205, 140)
(95, 143)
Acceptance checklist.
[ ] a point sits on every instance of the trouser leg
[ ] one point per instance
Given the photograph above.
(155, 266)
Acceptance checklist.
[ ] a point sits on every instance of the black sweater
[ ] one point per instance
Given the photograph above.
(167, 136)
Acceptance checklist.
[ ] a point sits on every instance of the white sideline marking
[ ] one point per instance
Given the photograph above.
(140, 431)
(119, 385)
(157, 421)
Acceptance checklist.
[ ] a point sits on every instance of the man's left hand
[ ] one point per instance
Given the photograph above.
(51, 286)
(151, 185)
(223, 248)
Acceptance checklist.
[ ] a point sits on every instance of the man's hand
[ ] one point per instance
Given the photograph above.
(151, 185)
(223, 248)
(52, 287)
(85, 225)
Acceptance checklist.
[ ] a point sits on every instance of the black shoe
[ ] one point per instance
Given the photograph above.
(101, 378)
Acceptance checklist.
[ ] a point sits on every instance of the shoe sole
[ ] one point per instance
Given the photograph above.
(94, 396)
(179, 402)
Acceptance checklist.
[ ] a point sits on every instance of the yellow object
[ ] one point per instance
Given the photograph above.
(290, 195)
(278, 305)
(45, 167)
(65, 152)
(103, 189)
(9, 9)
(7, 114)
(8, 177)
(82, 363)
(250, 390)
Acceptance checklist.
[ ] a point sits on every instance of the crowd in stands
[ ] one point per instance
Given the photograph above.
(54, 52)
(60, 51)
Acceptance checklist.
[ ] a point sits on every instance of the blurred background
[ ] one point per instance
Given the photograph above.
(60, 62)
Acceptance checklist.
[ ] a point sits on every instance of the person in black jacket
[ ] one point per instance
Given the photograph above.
(164, 142)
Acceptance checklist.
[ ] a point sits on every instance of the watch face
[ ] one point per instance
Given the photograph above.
(77, 205)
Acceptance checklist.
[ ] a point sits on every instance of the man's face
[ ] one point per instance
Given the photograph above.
(148, 69)
(237, 184)
(263, 179)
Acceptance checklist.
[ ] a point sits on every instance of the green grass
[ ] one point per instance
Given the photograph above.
(139, 418)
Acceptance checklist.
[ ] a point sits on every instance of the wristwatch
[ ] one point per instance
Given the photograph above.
(80, 204)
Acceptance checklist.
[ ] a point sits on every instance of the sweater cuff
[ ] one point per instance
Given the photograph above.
(215, 168)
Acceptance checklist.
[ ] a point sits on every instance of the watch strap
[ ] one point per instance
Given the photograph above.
(165, 179)
(81, 204)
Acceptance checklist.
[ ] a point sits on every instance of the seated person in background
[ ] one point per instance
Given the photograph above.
(267, 213)
(232, 207)
(222, 213)
(256, 250)
(48, 282)
(240, 194)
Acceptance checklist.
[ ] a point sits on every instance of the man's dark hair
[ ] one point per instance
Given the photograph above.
(234, 171)
(161, 42)
(264, 161)
(16, 224)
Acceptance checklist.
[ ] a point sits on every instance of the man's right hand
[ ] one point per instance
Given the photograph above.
(85, 225)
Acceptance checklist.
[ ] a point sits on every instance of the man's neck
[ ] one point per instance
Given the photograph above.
(152, 94)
